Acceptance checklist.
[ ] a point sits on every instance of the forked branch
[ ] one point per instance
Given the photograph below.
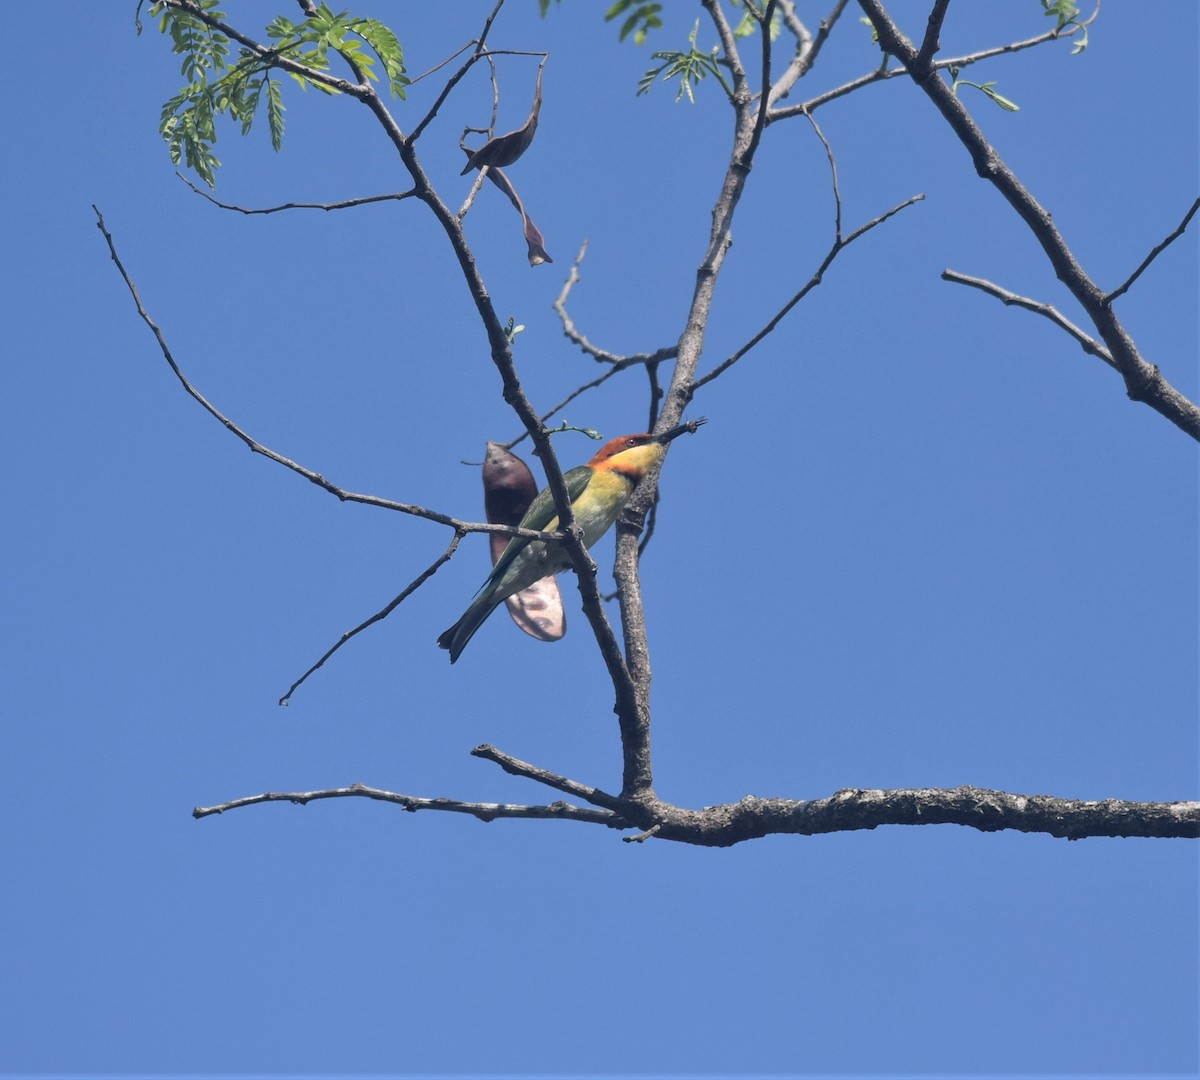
(965, 60)
(849, 810)
(1089, 344)
(579, 338)
(1143, 381)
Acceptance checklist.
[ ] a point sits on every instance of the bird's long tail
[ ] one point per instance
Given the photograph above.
(455, 639)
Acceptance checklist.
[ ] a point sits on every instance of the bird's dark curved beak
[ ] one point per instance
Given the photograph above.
(688, 428)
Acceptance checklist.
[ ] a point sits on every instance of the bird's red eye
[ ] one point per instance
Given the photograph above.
(631, 442)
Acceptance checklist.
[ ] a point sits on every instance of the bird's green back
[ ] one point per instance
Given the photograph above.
(541, 513)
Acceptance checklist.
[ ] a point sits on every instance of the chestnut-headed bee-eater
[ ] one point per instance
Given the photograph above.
(598, 491)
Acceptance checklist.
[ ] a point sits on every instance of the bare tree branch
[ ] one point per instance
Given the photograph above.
(616, 369)
(849, 810)
(833, 179)
(633, 714)
(345, 204)
(267, 452)
(383, 613)
(883, 74)
(1158, 250)
(836, 249)
(933, 30)
(517, 767)
(483, 811)
(637, 806)
(764, 100)
(808, 47)
(454, 79)
(978, 808)
(580, 339)
(1143, 381)
(499, 345)
(1089, 344)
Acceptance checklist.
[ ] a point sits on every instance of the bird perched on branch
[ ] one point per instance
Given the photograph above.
(598, 491)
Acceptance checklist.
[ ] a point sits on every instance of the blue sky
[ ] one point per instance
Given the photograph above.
(924, 541)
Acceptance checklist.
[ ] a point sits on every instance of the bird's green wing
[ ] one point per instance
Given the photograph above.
(540, 514)
(542, 510)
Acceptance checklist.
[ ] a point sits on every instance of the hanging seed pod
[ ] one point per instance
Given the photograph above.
(505, 149)
(508, 489)
(534, 240)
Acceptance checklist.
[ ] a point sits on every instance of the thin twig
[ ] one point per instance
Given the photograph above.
(361, 90)
(475, 189)
(343, 205)
(837, 190)
(594, 351)
(454, 79)
(441, 64)
(642, 837)
(656, 393)
(477, 182)
(616, 369)
(813, 282)
(882, 74)
(518, 767)
(417, 582)
(483, 811)
(1089, 344)
(267, 452)
(1154, 254)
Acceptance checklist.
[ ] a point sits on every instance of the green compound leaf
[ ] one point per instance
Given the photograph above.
(690, 68)
(187, 122)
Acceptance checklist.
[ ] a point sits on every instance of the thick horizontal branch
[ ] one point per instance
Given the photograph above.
(852, 809)
(977, 808)
(849, 810)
